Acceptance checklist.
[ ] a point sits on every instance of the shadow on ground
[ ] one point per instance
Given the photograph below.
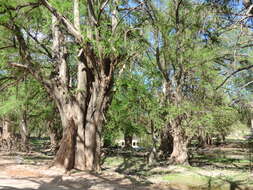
(86, 182)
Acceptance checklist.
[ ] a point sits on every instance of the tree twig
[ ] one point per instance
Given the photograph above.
(233, 73)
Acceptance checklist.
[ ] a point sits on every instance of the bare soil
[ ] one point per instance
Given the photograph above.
(15, 173)
(228, 166)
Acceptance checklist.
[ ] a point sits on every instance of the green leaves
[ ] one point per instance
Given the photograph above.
(9, 105)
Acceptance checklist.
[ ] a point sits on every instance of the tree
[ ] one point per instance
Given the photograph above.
(75, 62)
(184, 45)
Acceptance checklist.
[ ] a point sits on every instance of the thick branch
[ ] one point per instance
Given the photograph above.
(102, 9)
(26, 57)
(60, 51)
(92, 13)
(71, 29)
(18, 65)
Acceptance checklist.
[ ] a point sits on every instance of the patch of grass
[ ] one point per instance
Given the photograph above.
(113, 161)
(39, 141)
(189, 179)
(221, 181)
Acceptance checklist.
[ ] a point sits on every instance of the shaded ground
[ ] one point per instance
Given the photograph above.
(213, 168)
(17, 172)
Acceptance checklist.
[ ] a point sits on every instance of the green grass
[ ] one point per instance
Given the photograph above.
(216, 168)
(189, 179)
(39, 141)
(113, 161)
(194, 177)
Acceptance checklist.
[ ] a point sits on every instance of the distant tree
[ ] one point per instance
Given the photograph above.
(185, 45)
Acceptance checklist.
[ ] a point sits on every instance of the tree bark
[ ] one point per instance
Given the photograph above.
(166, 145)
(24, 131)
(128, 141)
(65, 156)
(180, 143)
(7, 138)
(98, 105)
(153, 152)
(6, 129)
(54, 135)
(82, 98)
(77, 151)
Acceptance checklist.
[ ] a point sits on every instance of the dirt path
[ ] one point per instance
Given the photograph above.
(20, 171)
(14, 175)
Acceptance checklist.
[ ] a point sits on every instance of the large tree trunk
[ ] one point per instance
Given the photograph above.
(65, 156)
(98, 105)
(166, 140)
(180, 143)
(72, 119)
(166, 146)
(80, 145)
(153, 152)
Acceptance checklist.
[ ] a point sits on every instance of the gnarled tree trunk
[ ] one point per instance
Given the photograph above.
(82, 106)
(180, 143)
(166, 146)
(65, 156)
(80, 145)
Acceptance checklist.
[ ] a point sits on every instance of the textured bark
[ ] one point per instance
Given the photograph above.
(166, 145)
(65, 156)
(54, 135)
(201, 141)
(98, 105)
(81, 98)
(6, 129)
(128, 141)
(24, 132)
(152, 157)
(180, 151)
(8, 141)
(70, 111)
(209, 140)
(85, 149)
(180, 143)
(166, 139)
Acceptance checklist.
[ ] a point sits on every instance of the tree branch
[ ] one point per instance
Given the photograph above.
(18, 65)
(92, 13)
(71, 29)
(40, 44)
(6, 47)
(7, 78)
(102, 9)
(233, 73)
